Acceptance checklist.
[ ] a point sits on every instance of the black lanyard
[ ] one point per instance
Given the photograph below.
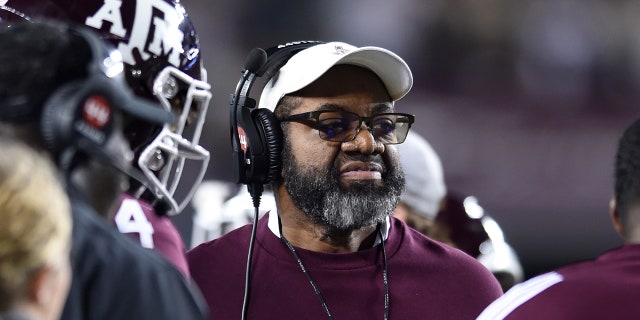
(385, 279)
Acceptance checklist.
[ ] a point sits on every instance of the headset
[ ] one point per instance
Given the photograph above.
(78, 115)
(80, 119)
(256, 136)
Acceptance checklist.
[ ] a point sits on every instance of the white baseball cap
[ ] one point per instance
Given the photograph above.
(310, 64)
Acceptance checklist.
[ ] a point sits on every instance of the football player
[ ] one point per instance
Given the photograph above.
(163, 63)
(63, 91)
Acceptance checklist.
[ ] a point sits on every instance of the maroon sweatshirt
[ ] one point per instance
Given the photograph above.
(605, 288)
(426, 279)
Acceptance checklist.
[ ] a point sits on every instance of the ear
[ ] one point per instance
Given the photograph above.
(615, 218)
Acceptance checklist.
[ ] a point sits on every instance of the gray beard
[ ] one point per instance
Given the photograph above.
(326, 202)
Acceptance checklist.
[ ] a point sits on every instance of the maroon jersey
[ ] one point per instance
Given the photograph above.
(426, 279)
(605, 288)
(138, 219)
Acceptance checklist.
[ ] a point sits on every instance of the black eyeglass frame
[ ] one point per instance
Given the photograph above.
(312, 119)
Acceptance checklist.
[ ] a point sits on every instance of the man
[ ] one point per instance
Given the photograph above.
(62, 91)
(604, 288)
(330, 249)
(163, 63)
(35, 235)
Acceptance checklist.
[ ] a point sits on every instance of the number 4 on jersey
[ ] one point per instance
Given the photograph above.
(131, 219)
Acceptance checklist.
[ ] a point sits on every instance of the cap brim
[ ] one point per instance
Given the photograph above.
(8, 15)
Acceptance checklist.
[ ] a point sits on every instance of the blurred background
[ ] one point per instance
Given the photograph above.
(523, 100)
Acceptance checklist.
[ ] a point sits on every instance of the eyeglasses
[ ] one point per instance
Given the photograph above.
(342, 126)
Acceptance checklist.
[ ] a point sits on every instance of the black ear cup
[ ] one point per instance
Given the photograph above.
(58, 115)
(78, 116)
(270, 129)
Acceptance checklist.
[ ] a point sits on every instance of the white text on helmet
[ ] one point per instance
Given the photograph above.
(166, 39)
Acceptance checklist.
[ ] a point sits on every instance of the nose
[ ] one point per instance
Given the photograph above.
(364, 142)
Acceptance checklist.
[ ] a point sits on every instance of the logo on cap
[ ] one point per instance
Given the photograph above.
(340, 50)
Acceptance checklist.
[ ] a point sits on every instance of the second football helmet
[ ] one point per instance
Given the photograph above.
(463, 223)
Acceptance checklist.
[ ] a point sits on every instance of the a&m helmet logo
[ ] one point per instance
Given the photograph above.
(154, 26)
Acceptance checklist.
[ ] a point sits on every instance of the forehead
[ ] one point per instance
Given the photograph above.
(350, 87)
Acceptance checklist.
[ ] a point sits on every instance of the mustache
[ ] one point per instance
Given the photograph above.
(367, 158)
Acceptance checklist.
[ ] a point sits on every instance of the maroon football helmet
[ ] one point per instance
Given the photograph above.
(463, 223)
(160, 49)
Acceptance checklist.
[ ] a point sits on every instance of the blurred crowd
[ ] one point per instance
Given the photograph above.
(580, 54)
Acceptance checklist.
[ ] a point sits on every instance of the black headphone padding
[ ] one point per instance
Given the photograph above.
(58, 114)
(65, 105)
(269, 126)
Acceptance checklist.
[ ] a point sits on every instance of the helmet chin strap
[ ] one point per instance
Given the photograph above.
(160, 205)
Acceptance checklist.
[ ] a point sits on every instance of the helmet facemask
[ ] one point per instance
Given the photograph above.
(162, 160)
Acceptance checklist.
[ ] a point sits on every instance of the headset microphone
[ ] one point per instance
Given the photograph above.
(255, 60)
